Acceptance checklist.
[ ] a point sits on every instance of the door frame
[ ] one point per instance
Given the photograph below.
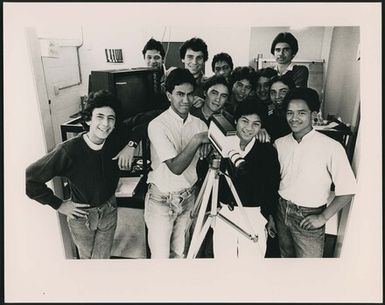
(70, 250)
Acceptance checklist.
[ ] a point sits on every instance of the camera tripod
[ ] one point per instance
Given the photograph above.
(211, 186)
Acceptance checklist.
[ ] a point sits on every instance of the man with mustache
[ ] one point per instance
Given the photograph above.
(284, 47)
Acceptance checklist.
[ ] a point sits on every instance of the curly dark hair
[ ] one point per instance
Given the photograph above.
(99, 99)
(247, 108)
(309, 95)
(214, 80)
(244, 72)
(266, 72)
(153, 44)
(287, 80)
(177, 77)
(196, 44)
(222, 57)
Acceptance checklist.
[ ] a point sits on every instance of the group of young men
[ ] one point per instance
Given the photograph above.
(285, 187)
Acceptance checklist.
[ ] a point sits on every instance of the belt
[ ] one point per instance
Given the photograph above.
(299, 206)
(167, 197)
(111, 202)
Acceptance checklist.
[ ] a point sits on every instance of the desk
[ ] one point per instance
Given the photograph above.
(339, 133)
(73, 126)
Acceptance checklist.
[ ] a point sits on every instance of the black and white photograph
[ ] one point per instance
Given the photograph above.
(192, 152)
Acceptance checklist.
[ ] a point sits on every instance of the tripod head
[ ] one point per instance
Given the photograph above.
(215, 162)
(223, 136)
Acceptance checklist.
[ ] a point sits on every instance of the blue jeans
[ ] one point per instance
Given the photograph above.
(293, 240)
(167, 217)
(93, 235)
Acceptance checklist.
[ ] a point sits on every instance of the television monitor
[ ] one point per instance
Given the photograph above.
(138, 90)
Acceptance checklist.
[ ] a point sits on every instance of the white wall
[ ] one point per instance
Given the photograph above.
(311, 42)
(32, 234)
(133, 38)
(343, 78)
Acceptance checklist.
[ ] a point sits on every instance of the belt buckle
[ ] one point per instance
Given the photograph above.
(173, 198)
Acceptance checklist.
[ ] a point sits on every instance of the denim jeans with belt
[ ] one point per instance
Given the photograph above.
(167, 217)
(295, 241)
(93, 235)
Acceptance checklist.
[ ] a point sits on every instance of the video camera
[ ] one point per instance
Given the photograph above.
(223, 135)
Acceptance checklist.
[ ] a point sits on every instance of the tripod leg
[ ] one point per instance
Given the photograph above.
(197, 204)
(239, 203)
(214, 197)
(199, 198)
(198, 242)
(205, 199)
(206, 195)
(232, 224)
(253, 235)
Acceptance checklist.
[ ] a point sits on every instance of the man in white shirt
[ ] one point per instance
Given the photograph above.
(177, 140)
(310, 163)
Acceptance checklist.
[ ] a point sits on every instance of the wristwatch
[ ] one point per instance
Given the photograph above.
(132, 144)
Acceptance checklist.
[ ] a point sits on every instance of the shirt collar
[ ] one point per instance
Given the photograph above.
(248, 147)
(199, 79)
(177, 118)
(91, 144)
(306, 137)
(289, 68)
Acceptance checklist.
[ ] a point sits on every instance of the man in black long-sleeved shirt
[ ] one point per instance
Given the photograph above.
(90, 162)
(256, 182)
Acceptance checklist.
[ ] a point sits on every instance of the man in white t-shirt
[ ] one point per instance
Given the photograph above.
(177, 140)
(311, 163)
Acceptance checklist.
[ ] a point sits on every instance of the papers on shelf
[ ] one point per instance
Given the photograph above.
(331, 125)
(126, 186)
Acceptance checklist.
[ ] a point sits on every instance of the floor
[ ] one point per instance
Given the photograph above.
(130, 238)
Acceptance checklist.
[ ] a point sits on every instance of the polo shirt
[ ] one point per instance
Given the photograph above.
(310, 167)
(169, 135)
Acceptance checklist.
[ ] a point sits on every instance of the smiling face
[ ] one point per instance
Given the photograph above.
(222, 68)
(101, 124)
(248, 127)
(283, 53)
(153, 59)
(278, 91)
(194, 61)
(241, 89)
(262, 90)
(216, 96)
(299, 117)
(181, 99)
